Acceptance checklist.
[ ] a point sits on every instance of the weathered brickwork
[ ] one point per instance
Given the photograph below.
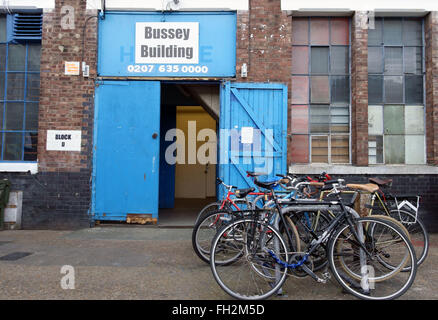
(431, 35)
(359, 89)
(65, 100)
(59, 195)
(264, 43)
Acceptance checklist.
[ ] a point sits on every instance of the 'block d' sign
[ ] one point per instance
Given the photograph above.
(63, 140)
(167, 42)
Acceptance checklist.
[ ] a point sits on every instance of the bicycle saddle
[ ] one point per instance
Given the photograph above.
(369, 187)
(266, 185)
(255, 174)
(242, 193)
(380, 182)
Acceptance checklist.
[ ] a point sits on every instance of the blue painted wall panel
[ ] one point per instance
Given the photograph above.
(167, 171)
(217, 45)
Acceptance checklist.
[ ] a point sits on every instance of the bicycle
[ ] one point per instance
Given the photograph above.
(210, 221)
(261, 257)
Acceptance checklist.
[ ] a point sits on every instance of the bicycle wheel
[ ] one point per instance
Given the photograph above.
(255, 274)
(417, 231)
(367, 276)
(208, 208)
(208, 224)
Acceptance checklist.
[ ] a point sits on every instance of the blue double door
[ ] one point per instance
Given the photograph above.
(126, 150)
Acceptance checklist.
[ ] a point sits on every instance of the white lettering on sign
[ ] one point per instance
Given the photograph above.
(167, 42)
(63, 140)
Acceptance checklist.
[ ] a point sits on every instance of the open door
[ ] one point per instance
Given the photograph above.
(253, 131)
(126, 149)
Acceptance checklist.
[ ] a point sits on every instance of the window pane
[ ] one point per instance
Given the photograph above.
(375, 149)
(300, 60)
(394, 119)
(319, 118)
(15, 90)
(2, 108)
(33, 57)
(319, 60)
(12, 148)
(320, 149)
(33, 87)
(300, 90)
(375, 35)
(393, 89)
(3, 28)
(300, 31)
(340, 89)
(375, 89)
(375, 120)
(2, 57)
(415, 149)
(30, 146)
(339, 61)
(300, 119)
(319, 31)
(413, 59)
(412, 32)
(339, 119)
(414, 120)
(300, 149)
(414, 89)
(394, 149)
(340, 34)
(14, 116)
(340, 149)
(2, 85)
(16, 57)
(393, 60)
(375, 60)
(31, 117)
(319, 89)
(392, 31)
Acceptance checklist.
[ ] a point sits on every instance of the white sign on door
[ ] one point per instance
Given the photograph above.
(63, 140)
(167, 42)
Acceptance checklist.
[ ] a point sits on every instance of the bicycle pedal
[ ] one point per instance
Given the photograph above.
(326, 275)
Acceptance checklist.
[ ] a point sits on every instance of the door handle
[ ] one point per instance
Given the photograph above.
(155, 135)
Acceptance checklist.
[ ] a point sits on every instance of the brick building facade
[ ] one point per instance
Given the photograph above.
(59, 195)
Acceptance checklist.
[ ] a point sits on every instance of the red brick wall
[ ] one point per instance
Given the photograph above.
(431, 36)
(359, 89)
(264, 43)
(66, 101)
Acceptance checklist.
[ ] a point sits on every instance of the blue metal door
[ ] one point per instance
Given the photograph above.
(253, 123)
(126, 149)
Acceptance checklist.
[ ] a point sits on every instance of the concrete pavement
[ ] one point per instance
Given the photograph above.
(141, 263)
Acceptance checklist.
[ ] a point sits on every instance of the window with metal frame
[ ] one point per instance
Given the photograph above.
(19, 96)
(396, 124)
(321, 97)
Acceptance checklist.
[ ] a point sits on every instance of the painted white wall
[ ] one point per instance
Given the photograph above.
(27, 4)
(184, 5)
(191, 180)
(348, 5)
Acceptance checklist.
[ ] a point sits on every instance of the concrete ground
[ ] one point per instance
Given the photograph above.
(130, 262)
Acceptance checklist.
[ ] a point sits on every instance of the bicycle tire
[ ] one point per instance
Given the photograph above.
(253, 263)
(418, 232)
(342, 236)
(203, 234)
